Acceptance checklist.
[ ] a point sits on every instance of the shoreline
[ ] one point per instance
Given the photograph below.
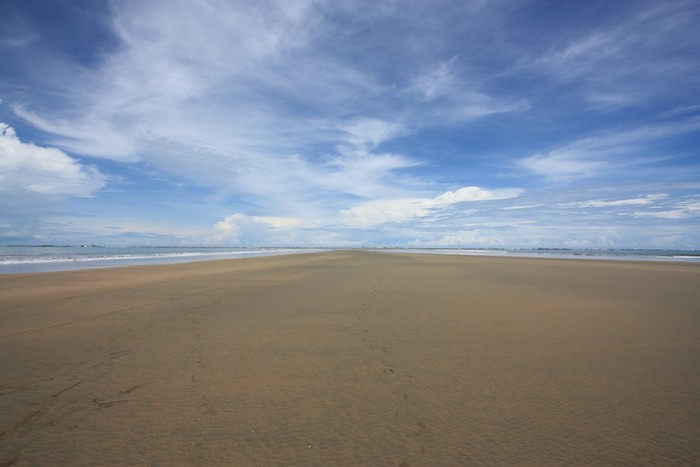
(353, 357)
(126, 260)
(41, 265)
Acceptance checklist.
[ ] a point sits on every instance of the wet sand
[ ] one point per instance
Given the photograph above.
(353, 358)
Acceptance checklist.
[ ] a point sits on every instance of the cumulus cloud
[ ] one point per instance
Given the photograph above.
(473, 193)
(29, 169)
(345, 117)
(377, 212)
(239, 228)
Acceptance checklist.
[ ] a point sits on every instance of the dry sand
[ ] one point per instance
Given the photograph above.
(353, 358)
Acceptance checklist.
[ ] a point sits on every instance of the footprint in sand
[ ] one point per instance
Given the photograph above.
(106, 405)
(208, 410)
(131, 389)
(408, 399)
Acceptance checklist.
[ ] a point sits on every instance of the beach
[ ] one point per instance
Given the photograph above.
(353, 358)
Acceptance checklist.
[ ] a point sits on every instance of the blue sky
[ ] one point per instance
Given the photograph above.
(351, 123)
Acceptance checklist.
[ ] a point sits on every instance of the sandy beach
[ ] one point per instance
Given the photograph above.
(353, 358)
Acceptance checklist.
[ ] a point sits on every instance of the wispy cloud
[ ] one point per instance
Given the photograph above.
(16, 33)
(20, 40)
(448, 97)
(69, 228)
(682, 110)
(471, 238)
(277, 118)
(370, 132)
(641, 201)
(435, 83)
(346, 123)
(627, 63)
(377, 212)
(582, 54)
(176, 88)
(240, 228)
(589, 156)
(681, 210)
(93, 138)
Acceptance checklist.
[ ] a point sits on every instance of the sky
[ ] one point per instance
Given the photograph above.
(473, 123)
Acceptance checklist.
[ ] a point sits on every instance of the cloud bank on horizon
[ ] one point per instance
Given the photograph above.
(351, 123)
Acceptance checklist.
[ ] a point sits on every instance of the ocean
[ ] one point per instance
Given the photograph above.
(47, 258)
(607, 254)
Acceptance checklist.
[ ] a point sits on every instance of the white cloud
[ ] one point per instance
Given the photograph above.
(377, 212)
(582, 53)
(29, 169)
(239, 228)
(199, 74)
(691, 205)
(473, 193)
(613, 100)
(681, 210)
(371, 131)
(220, 84)
(19, 40)
(524, 206)
(108, 228)
(469, 238)
(682, 110)
(92, 136)
(364, 175)
(16, 32)
(589, 156)
(259, 101)
(563, 164)
(672, 214)
(447, 96)
(312, 111)
(437, 82)
(641, 201)
(626, 62)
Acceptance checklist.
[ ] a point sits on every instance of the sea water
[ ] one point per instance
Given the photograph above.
(46, 258)
(566, 253)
